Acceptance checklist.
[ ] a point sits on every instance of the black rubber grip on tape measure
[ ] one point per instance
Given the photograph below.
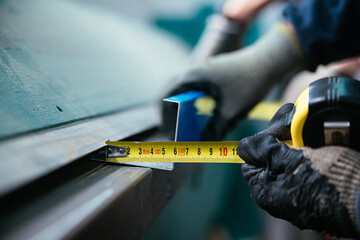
(332, 99)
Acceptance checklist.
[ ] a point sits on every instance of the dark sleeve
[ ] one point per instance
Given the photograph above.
(328, 30)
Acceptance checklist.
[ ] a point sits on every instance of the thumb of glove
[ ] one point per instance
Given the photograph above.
(277, 126)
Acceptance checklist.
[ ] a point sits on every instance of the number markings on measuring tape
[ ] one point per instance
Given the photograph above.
(180, 152)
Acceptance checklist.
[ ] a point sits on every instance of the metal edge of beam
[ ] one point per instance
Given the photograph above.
(26, 158)
(121, 203)
(148, 198)
(56, 215)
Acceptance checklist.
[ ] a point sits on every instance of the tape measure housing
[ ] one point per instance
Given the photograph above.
(328, 113)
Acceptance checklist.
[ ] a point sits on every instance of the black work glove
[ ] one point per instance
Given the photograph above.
(312, 188)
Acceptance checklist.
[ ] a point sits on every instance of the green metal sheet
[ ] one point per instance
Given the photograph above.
(62, 61)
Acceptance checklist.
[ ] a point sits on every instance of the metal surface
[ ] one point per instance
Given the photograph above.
(88, 200)
(189, 124)
(62, 61)
(115, 151)
(337, 133)
(101, 201)
(104, 202)
(40, 153)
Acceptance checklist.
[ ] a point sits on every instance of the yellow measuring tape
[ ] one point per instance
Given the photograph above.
(184, 152)
(178, 152)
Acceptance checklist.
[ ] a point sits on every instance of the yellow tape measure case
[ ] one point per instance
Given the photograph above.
(327, 113)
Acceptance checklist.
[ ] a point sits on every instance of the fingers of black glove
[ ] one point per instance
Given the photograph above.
(277, 126)
(287, 186)
(265, 188)
(304, 197)
(249, 171)
(256, 150)
(265, 151)
(283, 195)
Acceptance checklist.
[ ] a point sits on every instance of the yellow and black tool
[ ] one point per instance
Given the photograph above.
(325, 113)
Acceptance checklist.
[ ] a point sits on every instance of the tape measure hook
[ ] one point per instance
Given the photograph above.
(115, 151)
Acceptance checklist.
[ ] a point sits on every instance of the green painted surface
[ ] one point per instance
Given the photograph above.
(189, 29)
(63, 60)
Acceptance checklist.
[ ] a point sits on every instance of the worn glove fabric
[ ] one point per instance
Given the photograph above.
(245, 76)
(312, 188)
(219, 36)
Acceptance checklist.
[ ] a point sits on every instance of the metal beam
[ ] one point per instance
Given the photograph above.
(31, 156)
(109, 201)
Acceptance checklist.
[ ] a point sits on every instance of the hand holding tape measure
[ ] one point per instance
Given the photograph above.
(326, 113)
(314, 187)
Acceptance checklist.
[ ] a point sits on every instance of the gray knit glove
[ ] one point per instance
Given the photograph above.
(219, 36)
(244, 77)
(312, 188)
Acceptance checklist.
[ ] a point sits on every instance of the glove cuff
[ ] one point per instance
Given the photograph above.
(358, 209)
(342, 167)
(347, 182)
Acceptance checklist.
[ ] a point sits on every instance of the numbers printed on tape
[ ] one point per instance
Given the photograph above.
(220, 152)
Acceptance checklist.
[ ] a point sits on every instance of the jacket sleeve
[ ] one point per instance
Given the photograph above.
(328, 30)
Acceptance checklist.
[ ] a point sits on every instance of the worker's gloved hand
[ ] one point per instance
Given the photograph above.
(312, 188)
(243, 77)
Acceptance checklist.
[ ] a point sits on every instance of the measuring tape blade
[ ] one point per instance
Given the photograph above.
(178, 152)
